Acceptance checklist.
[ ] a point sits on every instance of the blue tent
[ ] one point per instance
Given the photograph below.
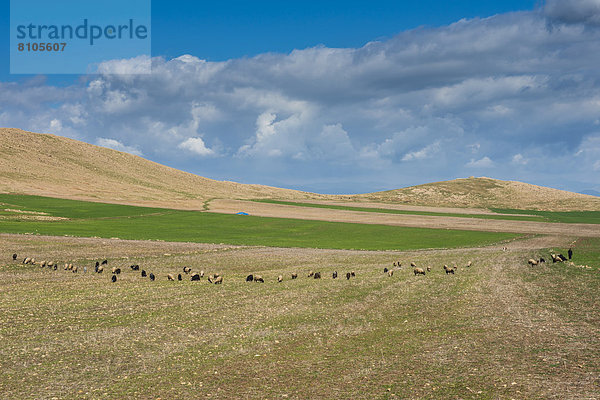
(242, 213)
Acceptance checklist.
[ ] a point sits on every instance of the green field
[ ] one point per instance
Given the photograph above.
(569, 217)
(407, 212)
(87, 219)
(496, 330)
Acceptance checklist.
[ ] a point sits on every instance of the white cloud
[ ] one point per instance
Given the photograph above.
(423, 153)
(484, 162)
(518, 159)
(196, 145)
(573, 11)
(116, 145)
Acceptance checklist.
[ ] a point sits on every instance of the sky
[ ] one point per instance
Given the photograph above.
(342, 97)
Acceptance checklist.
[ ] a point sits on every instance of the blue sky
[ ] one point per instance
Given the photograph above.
(343, 97)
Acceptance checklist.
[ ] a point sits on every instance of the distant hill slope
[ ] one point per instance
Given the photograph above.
(54, 166)
(487, 193)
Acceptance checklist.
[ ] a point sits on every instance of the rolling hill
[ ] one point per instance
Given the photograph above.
(54, 166)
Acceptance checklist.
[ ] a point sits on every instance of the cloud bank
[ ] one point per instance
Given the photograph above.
(515, 96)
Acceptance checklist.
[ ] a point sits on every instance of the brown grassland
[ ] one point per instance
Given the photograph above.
(496, 330)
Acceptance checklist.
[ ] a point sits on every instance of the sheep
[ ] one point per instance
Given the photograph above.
(15, 257)
(294, 275)
(419, 271)
(542, 260)
(187, 270)
(219, 280)
(348, 275)
(280, 278)
(70, 267)
(27, 260)
(250, 278)
(335, 274)
(201, 274)
(116, 270)
(469, 264)
(100, 269)
(385, 270)
(170, 277)
(561, 257)
(195, 277)
(51, 264)
(394, 264)
(55, 266)
(428, 268)
(390, 272)
(317, 275)
(144, 274)
(104, 262)
(97, 264)
(532, 262)
(135, 267)
(74, 269)
(152, 277)
(448, 270)
(211, 278)
(352, 273)
(412, 264)
(43, 264)
(179, 278)
(113, 278)
(33, 260)
(310, 274)
(258, 278)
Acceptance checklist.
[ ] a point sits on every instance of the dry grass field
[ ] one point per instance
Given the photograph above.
(496, 330)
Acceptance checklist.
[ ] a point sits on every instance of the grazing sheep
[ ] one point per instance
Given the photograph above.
(385, 270)
(113, 278)
(390, 272)
(15, 257)
(144, 273)
(187, 270)
(428, 268)
(74, 269)
(100, 269)
(219, 280)
(412, 264)
(280, 278)
(195, 277)
(532, 262)
(394, 264)
(294, 275)
(179, 278)
(152, 277)
(170, 277)
(469, 264)
(97, 264)
(51, 264)
(317, 275)
(448, 270)
(250, 278)
(55, 266)
(135, 267)
(43, 263)
(561, 257)
(258, 278)
(542, 260)
(116, 270)
(310, 274)
(210, 278)
(419, 271)
(352, 273)
(104, 262)
(201, 274)
(27, 260)
(335, 274)
(348, 275)
(33, 259)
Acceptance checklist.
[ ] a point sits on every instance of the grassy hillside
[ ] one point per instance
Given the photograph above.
(87, 219)
(48, 165)
(487, 193)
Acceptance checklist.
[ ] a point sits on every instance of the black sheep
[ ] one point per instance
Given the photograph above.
(385, 270)
(114, 278)
(348, 275)
(179, 277)
(250, 278)
(15, 257)
(195, 277)
(317, 275)
(144, 274)
(104, 262)
(334, 274)
(152, 277)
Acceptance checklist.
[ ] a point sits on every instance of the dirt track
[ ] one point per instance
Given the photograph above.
(418, 221)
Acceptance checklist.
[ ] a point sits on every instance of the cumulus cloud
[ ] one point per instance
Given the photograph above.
(196, 145)
(116, 145)
(427, 104)
(573, 11)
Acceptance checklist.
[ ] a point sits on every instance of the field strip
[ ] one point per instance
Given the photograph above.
(416, 221)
